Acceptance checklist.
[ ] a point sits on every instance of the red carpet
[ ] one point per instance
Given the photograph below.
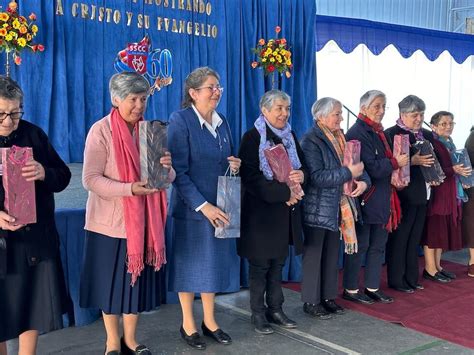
(445, 311)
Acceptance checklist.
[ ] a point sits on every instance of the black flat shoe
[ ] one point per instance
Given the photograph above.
(194, 340)
(140, 349)
(280, 318)
(332, 307)
(218, 335)
(261, 324)
(316, 311)
(418, 287)
(403, 289)
(111, 352)
(448, 274)
(357, 297)
(378, 296)
(438, 277)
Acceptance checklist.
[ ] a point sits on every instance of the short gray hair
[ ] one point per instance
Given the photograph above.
(369, 97)
(194, 80)
(10, 90)
(324, 106)
(123, 84)
(268, 99)
(411, 103)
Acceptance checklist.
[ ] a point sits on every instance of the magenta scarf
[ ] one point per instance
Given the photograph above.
(144, 216)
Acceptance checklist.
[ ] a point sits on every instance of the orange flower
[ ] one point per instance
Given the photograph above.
(277, 29)
(261, 42)
(17, 60)
(283, 41)
(23, 29)
(254, 64)
(32, 17)
(4, 16)
(3, 32)
(288, 74)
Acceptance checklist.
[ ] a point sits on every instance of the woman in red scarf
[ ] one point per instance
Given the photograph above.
(125, 221)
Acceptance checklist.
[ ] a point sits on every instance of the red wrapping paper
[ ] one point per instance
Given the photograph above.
(401, 176)
(351, 156)
(281, 167)
(20, 200)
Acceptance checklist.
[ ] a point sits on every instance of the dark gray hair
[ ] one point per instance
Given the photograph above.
(10, 90)
(268, 99)
(324, 107)
(411, 103)
(370, 96)
(123, 84)
(437, 117)
(194, 80)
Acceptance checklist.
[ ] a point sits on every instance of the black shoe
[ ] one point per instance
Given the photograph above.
(357, 297)
(261, 324)
(280, 318)
(140, 349)
(378, 296)
(112, 352)
(418, 287)
(438, 277)
(403, 289)
(332, 307)
(218, 335)
(194, 340)
(316, 310)
(448, 274)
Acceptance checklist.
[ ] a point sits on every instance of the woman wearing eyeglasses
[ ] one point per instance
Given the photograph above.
(32, 289)
(200, 142)
(443, 217)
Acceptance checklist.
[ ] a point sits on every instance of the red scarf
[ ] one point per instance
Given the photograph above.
(144, 215)
(395, 208)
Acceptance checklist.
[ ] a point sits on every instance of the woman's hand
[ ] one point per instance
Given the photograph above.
(215, 215)
(356, 169)
(461, 170)
(165, 160)
(7, 222)
(402, 160)
(33, 171)
(361, 186)
(234, 164)
(139, 189)
(423, 160)
(297, 176)
(294, 199)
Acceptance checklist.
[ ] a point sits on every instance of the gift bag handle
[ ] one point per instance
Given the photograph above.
(229, 172)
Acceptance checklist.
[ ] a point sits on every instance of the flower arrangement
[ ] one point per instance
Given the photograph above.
(273, 56)
(17, 33)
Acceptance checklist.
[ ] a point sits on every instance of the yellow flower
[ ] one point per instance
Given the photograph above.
(4, 16)
(288, 62)
(16, 24)
(5, 25)
(28, 37)
(8, 37)
(23, 29)
(264, 60)
(272, 60)
(279, 59)
(34, 28)
(13, 34)
(21, 42)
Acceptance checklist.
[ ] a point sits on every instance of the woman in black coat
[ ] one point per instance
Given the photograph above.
(326, 210)
(271, 217)
(32, 290)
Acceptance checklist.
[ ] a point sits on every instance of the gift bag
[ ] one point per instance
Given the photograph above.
(280, 164)
(228, 200)
(351, 156)
(461, 156)
(433, 173)
(401, 176)
(20, 200)
(153, 142)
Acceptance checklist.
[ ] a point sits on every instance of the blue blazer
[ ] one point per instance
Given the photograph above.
(198, 159)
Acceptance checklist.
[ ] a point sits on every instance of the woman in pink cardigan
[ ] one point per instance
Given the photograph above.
(125, 221)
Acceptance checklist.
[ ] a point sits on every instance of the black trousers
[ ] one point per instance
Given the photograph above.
(402, 247)
(320, 256)
(371, 241)
(265, 284)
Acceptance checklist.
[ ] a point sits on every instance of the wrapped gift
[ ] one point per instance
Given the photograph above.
(20, 200)
(351, 156)
(401, 146)
(461, 156)
(153, 139)
(281, 167)
(228, 200)
(433, 173)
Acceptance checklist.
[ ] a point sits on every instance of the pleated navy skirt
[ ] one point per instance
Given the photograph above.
(105, 283)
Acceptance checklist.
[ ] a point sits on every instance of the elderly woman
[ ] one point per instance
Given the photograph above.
(443, 218)
(468, 211)
(402, 246)
(327, 212)
(32, 289)
(376, 212)
(124, 244)
(271, 216)
(200, 141)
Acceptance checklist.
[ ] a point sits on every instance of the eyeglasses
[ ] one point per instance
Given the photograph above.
(14, 116)
(212, 89)
(447, 124)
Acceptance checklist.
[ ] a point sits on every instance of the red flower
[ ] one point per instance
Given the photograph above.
(277, 29)
(271, 68)
(32, 17)
(17, 60)
(283, 41)
(254, 64)
(40, 47)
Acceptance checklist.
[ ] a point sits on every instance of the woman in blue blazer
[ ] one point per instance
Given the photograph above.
(200, 143)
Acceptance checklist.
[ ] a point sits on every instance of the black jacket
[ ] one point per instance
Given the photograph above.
(39, 240)
(268, 225)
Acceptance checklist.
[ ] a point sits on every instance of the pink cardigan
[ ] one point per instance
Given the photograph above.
(100, 176)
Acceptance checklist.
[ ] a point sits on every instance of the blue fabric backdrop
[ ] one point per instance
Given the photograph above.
(66, 86)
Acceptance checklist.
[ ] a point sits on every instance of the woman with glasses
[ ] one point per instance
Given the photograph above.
(200, 142)
(443, 217)
(32, 289)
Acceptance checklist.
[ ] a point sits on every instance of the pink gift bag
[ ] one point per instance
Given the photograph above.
(351, 155)
(401, 176)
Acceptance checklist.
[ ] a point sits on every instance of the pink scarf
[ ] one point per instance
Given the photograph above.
(144, 215)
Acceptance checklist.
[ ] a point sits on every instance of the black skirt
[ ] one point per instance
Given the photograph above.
(105, 283)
